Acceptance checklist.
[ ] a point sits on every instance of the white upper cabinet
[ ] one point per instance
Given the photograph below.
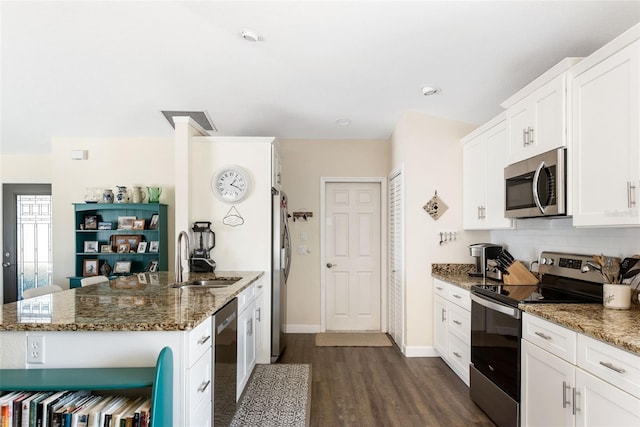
(606, 135)
(537, 114)
(484, 156)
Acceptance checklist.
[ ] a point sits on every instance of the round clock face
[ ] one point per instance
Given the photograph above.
(231, 184)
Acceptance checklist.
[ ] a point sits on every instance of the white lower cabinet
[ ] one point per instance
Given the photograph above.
(246, 338)
(562, 388)
(452, 326)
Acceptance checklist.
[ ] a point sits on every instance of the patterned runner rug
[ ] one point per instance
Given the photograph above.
(277, 395)
(348, 339)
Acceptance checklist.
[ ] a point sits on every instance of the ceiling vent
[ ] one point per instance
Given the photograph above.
(200, 117)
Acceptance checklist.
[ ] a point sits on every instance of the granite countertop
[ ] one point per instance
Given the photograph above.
(140, 302)
(620, 328)
(458, 274)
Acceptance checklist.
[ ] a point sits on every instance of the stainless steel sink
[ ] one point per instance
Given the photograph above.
(218, 282)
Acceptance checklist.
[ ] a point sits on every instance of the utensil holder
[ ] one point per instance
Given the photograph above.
(616, 296)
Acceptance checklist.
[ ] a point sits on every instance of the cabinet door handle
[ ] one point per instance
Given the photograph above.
(444, 317)
(530, 135)
(479, 214)
(575, 401)
(612, 367)
(541, 335)
(258, 314)
(525, 134)
(204, 339)
(456, 354)
(457, 322)
(631, 194)
(204, 386)
(565, 387)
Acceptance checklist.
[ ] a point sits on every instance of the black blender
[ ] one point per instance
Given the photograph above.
(200, 261)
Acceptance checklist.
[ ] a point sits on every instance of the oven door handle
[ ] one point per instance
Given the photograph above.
(536, 181)
(504, 309)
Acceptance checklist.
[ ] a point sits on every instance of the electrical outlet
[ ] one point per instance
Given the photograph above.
(35, 349)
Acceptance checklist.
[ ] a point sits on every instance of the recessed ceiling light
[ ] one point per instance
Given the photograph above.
(430, 90)
(250, 35)
(343, 122)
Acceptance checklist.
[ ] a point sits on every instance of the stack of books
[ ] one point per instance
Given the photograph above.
(72, 409)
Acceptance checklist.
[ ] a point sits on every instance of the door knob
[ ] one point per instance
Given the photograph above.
(329, 265)
(6, 264)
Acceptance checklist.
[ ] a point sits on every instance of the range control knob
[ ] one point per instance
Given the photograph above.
(546, 261)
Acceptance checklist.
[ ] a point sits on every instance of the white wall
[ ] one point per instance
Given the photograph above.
(130, 162)
(429, 150)
(247, 246)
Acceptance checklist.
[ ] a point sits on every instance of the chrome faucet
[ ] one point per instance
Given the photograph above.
(179, 254)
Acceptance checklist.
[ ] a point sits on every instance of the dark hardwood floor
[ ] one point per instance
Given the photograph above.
(378, 386)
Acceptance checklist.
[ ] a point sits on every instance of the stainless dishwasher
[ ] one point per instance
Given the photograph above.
(224, 364)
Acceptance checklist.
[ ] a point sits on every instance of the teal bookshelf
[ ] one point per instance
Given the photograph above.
(110, 213)
(159, 378)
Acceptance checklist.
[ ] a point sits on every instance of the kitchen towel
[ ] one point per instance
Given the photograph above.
(350, 339)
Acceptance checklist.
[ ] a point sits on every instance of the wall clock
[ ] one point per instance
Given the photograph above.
(231, 184)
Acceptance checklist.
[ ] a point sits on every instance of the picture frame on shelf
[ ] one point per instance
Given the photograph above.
(125, 222)
(154, 279)
(91, 222)
(89, 267)
(138, 224)
(106, 249)
(106, 225)
(124, 248)
(122, 267)
(154, 246)
(153, 224)
(152, 267)
(90, 247)
(142, 278)
(132, 239)
(142, 247)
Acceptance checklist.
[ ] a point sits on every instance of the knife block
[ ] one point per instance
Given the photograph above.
(519, 275)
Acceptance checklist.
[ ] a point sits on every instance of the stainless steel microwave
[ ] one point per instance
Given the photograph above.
(536, 187)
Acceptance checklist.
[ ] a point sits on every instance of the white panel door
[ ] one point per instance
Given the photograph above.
(395, 292)
(352, 256)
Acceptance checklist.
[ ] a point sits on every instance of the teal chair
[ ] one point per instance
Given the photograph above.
(162, 394)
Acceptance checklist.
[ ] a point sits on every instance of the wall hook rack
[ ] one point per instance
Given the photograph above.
(302, 215)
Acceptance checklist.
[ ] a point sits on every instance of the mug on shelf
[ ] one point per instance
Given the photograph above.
(154, 194)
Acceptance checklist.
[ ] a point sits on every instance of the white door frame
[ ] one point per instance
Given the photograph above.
(383, 245)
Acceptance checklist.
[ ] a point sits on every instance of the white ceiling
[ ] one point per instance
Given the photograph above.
(107, 69)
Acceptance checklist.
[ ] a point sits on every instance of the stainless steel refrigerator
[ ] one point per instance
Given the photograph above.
(280, 263)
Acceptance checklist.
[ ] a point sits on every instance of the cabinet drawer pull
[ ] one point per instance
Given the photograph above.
(204, 339)
(456, 354)
(612, 367)
(565, 387)
(457, 296)
(204, 386)
(439, 288)
(457, 322)
(541, 335)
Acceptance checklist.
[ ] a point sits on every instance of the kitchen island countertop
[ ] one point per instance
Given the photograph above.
(140, 302)
(620, 328)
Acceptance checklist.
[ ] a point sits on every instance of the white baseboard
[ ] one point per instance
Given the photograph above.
(411, 351)
(302, 329)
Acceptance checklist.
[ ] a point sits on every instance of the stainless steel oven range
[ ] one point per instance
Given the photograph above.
(496, 329)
